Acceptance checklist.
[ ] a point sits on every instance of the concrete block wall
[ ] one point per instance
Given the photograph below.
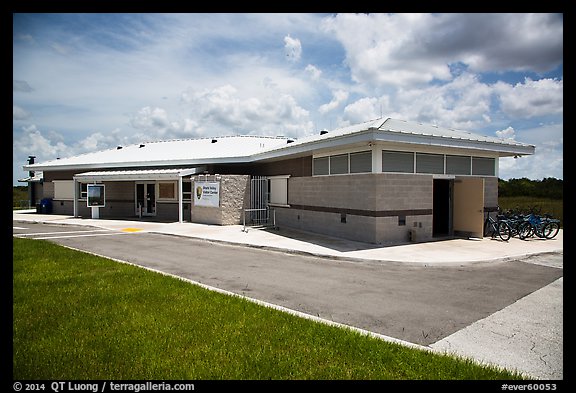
(403, 191)
(490, 192)
(363, 207)
(346, 191)
(358, 228)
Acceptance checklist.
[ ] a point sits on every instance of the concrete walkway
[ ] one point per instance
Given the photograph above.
(526, 336)
(441, 252)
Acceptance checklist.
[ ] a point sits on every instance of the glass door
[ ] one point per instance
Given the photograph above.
(145, 199)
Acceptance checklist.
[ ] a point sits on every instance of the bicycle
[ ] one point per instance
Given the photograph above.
(498, 227)
(546, 228)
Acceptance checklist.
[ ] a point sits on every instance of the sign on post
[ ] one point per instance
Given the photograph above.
(207, 193)
(96, 197)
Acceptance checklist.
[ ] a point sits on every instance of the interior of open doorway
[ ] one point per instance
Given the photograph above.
(442, 207)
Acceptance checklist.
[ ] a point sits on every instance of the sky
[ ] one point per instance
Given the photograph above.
(89, 82)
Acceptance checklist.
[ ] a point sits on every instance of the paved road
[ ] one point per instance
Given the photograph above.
(418, 304)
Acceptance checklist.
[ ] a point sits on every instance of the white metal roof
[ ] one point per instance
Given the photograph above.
(400, 131)
(250, 148)
(185, 152)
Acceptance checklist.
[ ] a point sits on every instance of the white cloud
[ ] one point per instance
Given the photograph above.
(463, 103)
(362, 110)
(151, 120)
(224, 110)
(314, 72)
(99, 141)
(32, 142)
(547, 160)
(340, 96)
(19, 113)
(532, 98)
(412, 49)
(292, 48)
(508, 133)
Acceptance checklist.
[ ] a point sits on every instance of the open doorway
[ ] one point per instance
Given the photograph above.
(442, 207)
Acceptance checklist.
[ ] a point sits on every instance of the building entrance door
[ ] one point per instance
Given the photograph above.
(469, 206)
(145, 199)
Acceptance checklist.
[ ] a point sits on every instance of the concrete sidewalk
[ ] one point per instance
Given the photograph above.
(439, 252)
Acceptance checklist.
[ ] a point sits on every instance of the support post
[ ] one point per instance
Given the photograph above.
(180, 204)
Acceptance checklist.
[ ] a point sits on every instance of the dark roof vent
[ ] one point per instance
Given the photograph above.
(118, 147)
(142, 145)
(214, 140)
(323, 132)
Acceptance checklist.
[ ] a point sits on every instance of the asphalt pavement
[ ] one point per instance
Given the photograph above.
(524, 335)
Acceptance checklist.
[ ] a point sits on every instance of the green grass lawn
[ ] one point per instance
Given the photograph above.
(78, 316)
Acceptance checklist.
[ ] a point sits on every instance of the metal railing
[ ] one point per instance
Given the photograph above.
(259, 218)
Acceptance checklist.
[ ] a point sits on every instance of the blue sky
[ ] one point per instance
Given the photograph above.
(87, 82)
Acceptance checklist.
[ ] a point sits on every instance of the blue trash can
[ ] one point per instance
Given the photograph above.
(46, 206)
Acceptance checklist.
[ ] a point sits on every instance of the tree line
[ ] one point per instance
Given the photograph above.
(548, 187)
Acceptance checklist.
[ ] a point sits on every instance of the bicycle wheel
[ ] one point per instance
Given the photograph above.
(539, 230)
(525, 230)
(550, 230)
(504, 231)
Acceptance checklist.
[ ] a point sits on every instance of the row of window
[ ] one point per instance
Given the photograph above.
(405, 162)
(64, 189)
(360, 162)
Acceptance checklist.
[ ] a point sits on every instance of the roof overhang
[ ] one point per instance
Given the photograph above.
(374, 135)
(137, 175)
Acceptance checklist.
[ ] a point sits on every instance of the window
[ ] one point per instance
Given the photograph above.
(361, 162)
(458, 165)
(321, 166)
(483, 166)
(278, 188)
(186, 190)
(429, 163)
(339, 164)
(83, 190)
(397, 161)
(167, 190)
(64, 189)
